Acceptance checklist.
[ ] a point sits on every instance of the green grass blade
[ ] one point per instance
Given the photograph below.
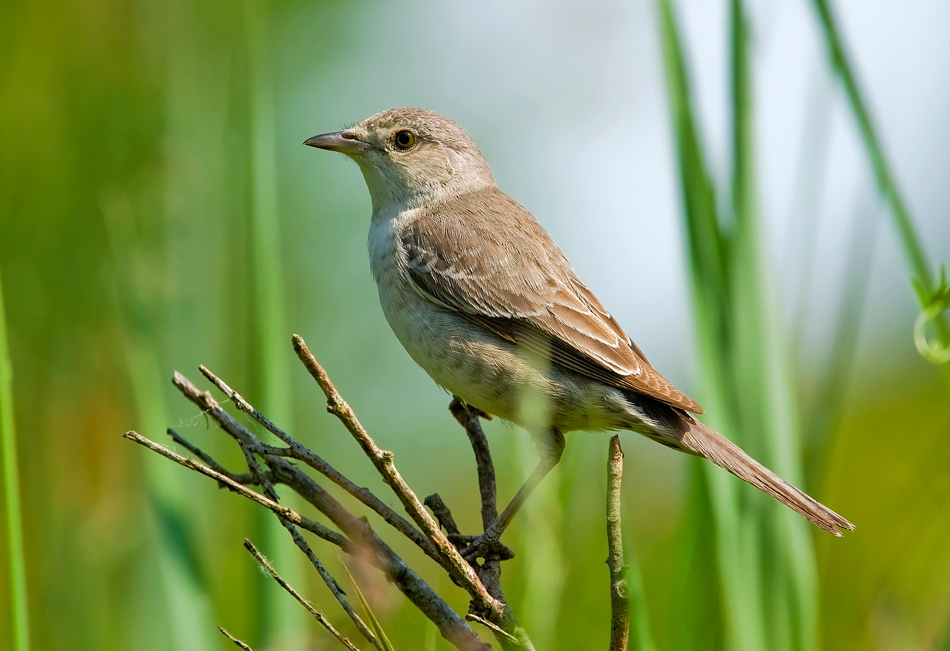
(368, 611)
(272, 339)
(921, 269)
(693, 583)
(766, 572)
(543, 571)
(19, 604)
(764, 392)
(183, 593)
(270, 335)
(737, 577)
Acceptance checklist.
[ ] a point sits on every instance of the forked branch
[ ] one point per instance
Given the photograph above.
(353, 534)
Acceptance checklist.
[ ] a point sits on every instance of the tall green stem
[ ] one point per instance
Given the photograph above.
(764, 558)
(19, 604)
(267, 309)
(913, 249)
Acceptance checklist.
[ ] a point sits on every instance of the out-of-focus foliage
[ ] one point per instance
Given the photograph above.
(152, 180)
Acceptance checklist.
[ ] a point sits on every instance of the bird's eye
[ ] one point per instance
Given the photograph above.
(404, 139)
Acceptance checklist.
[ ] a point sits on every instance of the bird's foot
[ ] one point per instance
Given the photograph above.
(459, 406)
(488, 546)
(480, 413)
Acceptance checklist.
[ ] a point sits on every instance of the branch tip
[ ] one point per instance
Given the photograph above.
(619, 601)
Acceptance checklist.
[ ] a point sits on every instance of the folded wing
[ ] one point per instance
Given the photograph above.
(521, 287)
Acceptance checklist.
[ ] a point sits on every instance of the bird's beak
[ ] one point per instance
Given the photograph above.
(345, 142)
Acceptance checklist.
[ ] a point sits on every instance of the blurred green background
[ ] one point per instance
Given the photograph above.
(157, 211)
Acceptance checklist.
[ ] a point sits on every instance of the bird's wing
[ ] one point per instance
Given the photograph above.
(518, 284)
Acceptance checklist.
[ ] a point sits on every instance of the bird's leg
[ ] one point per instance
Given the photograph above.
(553, 448)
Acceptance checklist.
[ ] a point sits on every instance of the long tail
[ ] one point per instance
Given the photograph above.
(724, 453)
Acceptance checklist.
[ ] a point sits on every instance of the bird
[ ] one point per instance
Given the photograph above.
(481, 298)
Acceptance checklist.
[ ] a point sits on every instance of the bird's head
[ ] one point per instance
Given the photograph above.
(410, 157)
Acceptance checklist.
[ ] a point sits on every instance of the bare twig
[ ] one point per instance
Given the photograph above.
(490, 570)
(198, 452)
(364, 495)
(457, 567)
(281, 470)
(258, 473)
(236, 641)
(498, 631)
(241, 478)
(452, 627)
(468, 419)
(332, 584)
(287, 513)
(442, 513)
(619, 601)
(297, 451)
(484, 601)
(243, 405)
(317, 615)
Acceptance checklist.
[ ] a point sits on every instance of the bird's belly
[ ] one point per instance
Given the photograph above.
(459, 356)
(491, 373)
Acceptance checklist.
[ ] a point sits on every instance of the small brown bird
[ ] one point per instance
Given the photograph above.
(483, 300)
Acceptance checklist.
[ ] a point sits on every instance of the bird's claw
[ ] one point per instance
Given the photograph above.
(488, 546)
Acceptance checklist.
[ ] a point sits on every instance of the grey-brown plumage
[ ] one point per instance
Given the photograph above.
(483, 300)
(528, 295)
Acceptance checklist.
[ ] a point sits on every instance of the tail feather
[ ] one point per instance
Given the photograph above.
(705, 442)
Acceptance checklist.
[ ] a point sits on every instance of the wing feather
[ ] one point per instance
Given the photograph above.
(520, 286)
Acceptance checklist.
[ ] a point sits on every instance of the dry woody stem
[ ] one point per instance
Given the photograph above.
(356, 535)
(269, 465)
(297, 451)
(238, 643)
(323, 621)
(619, 602)
(452, 561)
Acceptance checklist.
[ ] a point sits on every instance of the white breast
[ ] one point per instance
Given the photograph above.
(409, 315)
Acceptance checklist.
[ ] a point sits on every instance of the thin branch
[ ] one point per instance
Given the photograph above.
(244, 478)
(619, 601)
(297, 451)
(236, 641)
(498, 631)
(258, 473)
(332, 584)
(468, 419)
(244, 405)
(289, 514)
(452, 627)
(282, 471)
(484, 600)
(364, 495)
(198, 452)
(457, 567)
(317, 615)
(443, 514)
(490, 570)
